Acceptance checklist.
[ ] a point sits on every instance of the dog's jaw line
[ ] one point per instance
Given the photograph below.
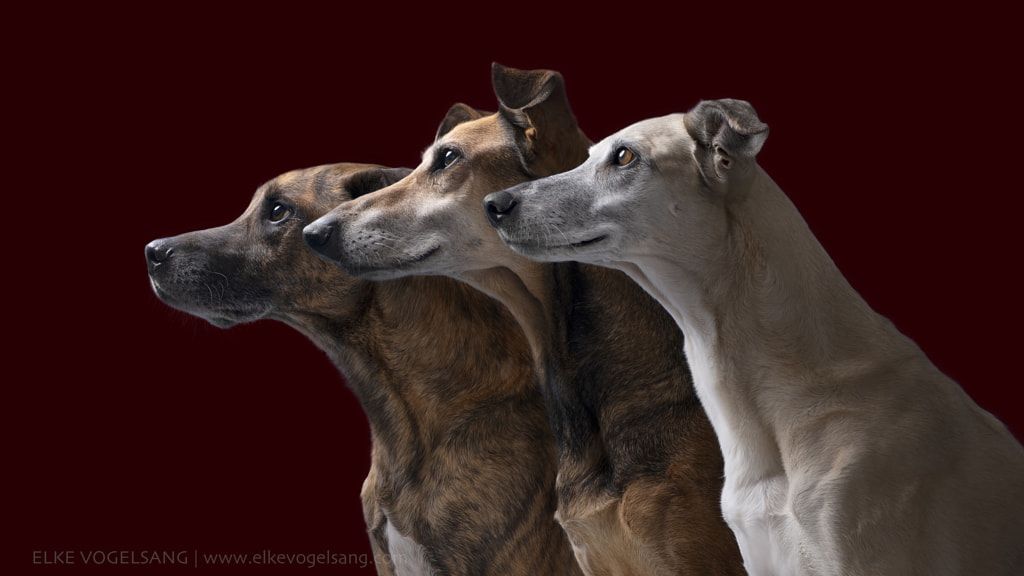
(377, 271)
(551, 252)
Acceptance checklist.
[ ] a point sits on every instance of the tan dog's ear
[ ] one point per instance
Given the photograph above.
(534, 103)
(725, 131)
(373, 179)
(457, 114)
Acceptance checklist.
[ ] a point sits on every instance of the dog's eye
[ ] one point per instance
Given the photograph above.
(278, 212)
(624, 156)
(448, 157)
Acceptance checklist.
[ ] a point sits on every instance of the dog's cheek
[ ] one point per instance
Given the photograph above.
(238, 268)
(186, 278)
(570, 207)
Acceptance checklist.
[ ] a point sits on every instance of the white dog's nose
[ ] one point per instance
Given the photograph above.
(499, 205)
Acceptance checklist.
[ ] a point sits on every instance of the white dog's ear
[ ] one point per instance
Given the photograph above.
(534, 103)
(456, 115)
(726, 131)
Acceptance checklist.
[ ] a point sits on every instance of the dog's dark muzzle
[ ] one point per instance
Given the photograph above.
(158, 252)
(194, 273)
(167, 253)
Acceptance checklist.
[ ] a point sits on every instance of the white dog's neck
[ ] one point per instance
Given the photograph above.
(769, 313)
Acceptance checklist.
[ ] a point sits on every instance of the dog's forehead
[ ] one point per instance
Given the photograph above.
(291, 181)
(290, 178)
(651, 135)
(304, 186)
(313, 181)
(670, 126)
(473, 134)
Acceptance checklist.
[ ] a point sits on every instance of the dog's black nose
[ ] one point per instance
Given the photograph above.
(499, 205)
(322, 239)
(316, 235)
(157, 252)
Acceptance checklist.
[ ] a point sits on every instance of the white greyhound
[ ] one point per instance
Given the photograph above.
(846, 450)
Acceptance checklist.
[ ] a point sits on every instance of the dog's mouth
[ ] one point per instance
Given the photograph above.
(417, 259)
(585, 243)
(380, 270)
(194, 301)
(541, 248)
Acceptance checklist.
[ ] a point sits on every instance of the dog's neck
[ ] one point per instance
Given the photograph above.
(591, 328)
(530, 291)
(419, 338)
(524, 287)
(768, 315)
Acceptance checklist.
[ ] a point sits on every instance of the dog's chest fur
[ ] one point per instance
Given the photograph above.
(408, 556)
(756, 489)
(766, 534)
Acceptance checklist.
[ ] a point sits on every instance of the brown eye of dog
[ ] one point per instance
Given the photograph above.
(624, 156)
(449, 157)
(278, 212)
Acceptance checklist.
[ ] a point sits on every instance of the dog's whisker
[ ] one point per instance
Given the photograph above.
(565, 237)
(223, 286)
(210, 290)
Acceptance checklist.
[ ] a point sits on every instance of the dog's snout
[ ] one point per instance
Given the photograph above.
(157, 252)
(499, 205)
(320, 236)
(316, 234)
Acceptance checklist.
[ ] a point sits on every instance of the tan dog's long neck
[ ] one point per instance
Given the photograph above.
(533, 294)
(525, 291)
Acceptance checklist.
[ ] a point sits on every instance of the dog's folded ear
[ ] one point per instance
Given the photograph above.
(534, 103)
(373, 179)
(520, 92)
(725, 130)
(456, 115)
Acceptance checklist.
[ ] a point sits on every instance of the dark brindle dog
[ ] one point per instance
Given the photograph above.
(640, 470)
(463, 462)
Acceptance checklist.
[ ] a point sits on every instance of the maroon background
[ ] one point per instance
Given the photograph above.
(130, 426)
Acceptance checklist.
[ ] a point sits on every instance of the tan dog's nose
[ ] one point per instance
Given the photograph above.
(318, 236)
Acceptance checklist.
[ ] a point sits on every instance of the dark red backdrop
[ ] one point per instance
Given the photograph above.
(132, 427)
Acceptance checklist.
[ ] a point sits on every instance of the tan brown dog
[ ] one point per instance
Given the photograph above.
(640, 472)
(463, 462)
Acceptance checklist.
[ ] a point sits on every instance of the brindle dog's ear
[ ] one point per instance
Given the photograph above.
(457, 114)
(534, 103)
(725, 131)
(392, 175)
(373, 179)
